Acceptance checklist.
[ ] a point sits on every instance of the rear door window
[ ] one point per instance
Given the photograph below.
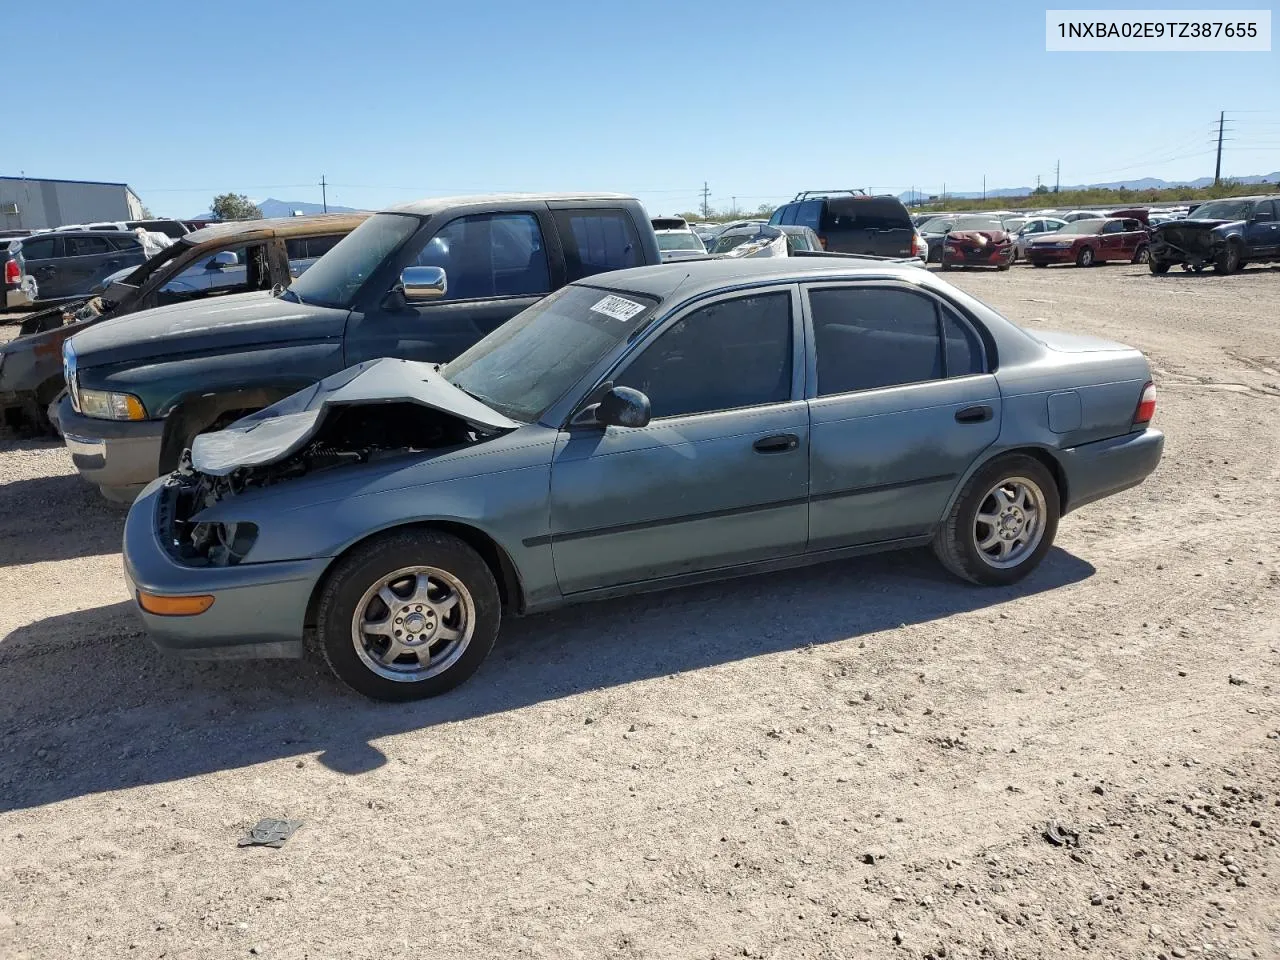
(86, 246)
(491, 255)
(872, 337)
(789, 213)
(964, 352)
(596, 241)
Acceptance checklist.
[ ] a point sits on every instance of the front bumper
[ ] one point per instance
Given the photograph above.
(1097, 470)
(259, 609)
(977, 256)
(1051, 255)
(121, 456)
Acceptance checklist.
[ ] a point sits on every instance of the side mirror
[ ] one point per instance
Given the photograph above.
(422, 284)
(617, 407)
(224, 259)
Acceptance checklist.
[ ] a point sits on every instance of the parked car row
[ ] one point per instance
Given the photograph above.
(489, 407)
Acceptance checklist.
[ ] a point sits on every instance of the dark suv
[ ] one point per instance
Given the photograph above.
(69, 263)
(1225, 233)
(849, 221)
(420, 282)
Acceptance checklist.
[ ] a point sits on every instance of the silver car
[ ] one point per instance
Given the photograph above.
(1036, 227)
(636, 430)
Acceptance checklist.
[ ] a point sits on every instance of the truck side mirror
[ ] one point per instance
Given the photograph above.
(422, 284)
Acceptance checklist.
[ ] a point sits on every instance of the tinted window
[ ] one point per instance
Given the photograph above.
(864, 214)
(296, 249)
(38, 249)
(783, 211)
(319, 246)
(809, 214)
(86, 246)
(596, 241)
(498, 255)
(874, 337)
(735, 353)
(1267, 211)
(1113, 226)
(127, 243)
(964, 349)
(789, 213)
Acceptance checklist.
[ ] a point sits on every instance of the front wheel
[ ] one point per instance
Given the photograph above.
(1228, 261)
(1085, 257)
(1002, 524)
(409, 615)
(1158, 266)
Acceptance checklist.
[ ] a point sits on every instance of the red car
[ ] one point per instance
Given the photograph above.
(1086, 242)
(977, 242)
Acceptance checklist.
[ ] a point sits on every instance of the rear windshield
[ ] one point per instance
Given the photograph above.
(871, 213)
(679, 241)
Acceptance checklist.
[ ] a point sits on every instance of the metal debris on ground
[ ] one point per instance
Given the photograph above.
(1061, 836)
(270, 833)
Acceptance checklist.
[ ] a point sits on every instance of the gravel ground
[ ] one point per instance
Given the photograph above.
(853, 761)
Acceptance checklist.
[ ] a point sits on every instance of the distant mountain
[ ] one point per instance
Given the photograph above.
(1144, 183)
(271, 207)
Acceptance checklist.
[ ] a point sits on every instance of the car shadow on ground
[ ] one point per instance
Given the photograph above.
(56, 518)
(139, 717)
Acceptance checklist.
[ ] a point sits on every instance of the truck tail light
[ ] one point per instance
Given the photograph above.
(1146, 406)
(11, 272)
(915, 244)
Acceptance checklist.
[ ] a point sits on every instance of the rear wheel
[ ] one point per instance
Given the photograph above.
(1002, 524)
(409, 615)
(1085, 257)
(1228, 261)
(1142, 255)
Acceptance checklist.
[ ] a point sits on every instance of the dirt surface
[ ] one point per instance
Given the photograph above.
(852, 761)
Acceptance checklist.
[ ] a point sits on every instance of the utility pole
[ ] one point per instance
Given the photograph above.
(1217, 170)
(735, 206)
(1037, 181)
(1057, 175)
(706, 192)
(984, 188)
(324, 194)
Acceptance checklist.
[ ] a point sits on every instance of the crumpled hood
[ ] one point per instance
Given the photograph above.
(282, 429)
(236, 322)
(991, 236)
(1190, 224)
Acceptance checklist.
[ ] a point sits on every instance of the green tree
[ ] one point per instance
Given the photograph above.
(235, 206)
(1040, 190)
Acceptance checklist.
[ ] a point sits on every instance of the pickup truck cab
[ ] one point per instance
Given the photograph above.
(423, 281)
(216, 261)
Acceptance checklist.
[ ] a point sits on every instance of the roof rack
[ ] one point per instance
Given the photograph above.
(808, 194)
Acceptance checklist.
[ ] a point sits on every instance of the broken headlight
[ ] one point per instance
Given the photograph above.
(223, 544)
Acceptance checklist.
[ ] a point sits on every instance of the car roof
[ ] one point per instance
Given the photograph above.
(434, 205)
(277, 227)
(693, 277)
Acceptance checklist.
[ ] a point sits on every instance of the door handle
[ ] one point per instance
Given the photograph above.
(778, 443)
(978, 414)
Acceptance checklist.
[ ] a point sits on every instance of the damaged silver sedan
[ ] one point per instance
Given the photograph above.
(636, 430)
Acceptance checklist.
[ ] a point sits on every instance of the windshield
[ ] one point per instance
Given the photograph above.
(336, 278)
(679, 241)
(977, 223)
(1083, 226)
(1222, 210)
(527, 364)
(149, 267)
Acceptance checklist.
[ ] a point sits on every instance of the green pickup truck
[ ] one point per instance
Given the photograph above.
(423, 281)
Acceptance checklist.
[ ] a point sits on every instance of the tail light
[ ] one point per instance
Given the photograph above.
(822, 240)
(1146, 406)
(11, 272)
(915, 245)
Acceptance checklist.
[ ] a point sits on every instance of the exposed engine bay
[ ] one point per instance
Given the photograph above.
(348, 434)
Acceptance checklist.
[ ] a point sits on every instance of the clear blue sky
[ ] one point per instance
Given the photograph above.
(397, 99)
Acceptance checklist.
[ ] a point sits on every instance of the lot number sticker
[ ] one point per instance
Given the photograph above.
(619, 308)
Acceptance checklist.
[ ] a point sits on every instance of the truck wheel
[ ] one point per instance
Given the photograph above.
(1158, 266)
(1002, 524)
(409, 615)
(1085, 257)
(1228, 261)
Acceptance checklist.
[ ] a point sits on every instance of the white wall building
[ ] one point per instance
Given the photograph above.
(30, 204)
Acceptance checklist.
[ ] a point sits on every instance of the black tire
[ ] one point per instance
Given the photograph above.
(955, 542)
(1004, 266)
(1141, 255)
(1228, 261)
(1086, 257)
(943, 265)
(1158, 266)
(363, 568)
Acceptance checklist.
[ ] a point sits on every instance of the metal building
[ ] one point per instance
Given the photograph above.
(28, 203)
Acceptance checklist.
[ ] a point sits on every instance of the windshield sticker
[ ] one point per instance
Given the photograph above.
(619, 308)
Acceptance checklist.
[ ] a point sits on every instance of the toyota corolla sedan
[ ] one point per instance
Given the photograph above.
(637, 430)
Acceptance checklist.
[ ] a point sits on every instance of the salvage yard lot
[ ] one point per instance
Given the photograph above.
(856, 760)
